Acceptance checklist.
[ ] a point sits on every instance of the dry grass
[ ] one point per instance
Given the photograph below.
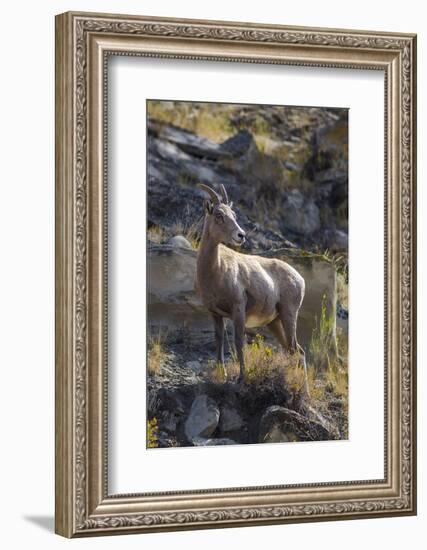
(322, 348)
(342, 290)
(265, 367)
(328, 362)
(217, 373)
(157, 355)
(156, 234)
(209, 120)
(189, 231)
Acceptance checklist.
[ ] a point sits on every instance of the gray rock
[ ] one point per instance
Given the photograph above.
(276, 434)
(230, 420)
(180, 242)
(315, 416)
(292, 166)
(186, 141)
(195, 366)
(332, 175)
(203, 418)
(279, 424)
(300, 214)
(336, 239)
(240, 144)
(341, 239)
(202, 442)
(167, 150)
(170, 421)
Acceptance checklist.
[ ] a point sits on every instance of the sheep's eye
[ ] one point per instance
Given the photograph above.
(219, 218)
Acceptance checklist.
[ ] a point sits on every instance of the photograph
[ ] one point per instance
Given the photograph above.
(247, 274)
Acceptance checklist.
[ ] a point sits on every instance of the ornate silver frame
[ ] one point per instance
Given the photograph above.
(83, 42)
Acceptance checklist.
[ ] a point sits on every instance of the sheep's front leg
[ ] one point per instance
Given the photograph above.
(239, 316)
(219, 339)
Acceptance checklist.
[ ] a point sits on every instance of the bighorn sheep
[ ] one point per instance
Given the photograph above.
(250, 290)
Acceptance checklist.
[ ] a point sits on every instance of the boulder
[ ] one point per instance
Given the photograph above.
(230, 420)
(211, 442)
(172, 300)
(336, 239)
(179, 241)
(203, 418)
(174, 303)
(186, 141)
(241, 144)
(279, 424)
(300, 214)
(312, 414)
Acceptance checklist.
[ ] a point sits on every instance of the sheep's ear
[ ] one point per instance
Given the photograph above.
(231, 204)
(208, 206)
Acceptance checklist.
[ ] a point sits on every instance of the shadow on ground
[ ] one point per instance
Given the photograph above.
(44, 522)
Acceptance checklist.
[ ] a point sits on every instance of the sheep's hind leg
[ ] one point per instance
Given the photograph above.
(276, 329)
(239, 339)
(289, 322)
(219, 339)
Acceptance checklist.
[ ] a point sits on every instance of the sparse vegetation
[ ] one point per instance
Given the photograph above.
(156, 234)
(211, 121)
(218, 374)
(266, 366)
(188, 230)
(157, 355)
(322, 349)
(152, 433)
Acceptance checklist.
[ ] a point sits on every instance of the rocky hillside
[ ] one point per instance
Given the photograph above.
(285, 168)
(191, 410)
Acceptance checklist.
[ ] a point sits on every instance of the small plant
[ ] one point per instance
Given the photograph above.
(152, 433)
(322, 342)
(156, 234)
(264, 366)
(189, 231)
(157, 356)
(328, 357)
(217, 372)
(342, 289)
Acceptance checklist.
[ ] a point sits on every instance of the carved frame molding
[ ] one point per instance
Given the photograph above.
(83, 42)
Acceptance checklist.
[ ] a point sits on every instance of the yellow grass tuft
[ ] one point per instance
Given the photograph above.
(156, 234)
(189, 231)
(209, 120)
(152, 433)
(157, 355)
(267, 367)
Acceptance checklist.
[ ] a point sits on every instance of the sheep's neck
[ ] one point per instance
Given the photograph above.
(208, 258)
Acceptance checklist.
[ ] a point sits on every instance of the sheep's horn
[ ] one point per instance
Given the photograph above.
(213, 194)
(224, 194)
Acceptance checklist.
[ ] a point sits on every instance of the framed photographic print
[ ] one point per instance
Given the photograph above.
(235, 274)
